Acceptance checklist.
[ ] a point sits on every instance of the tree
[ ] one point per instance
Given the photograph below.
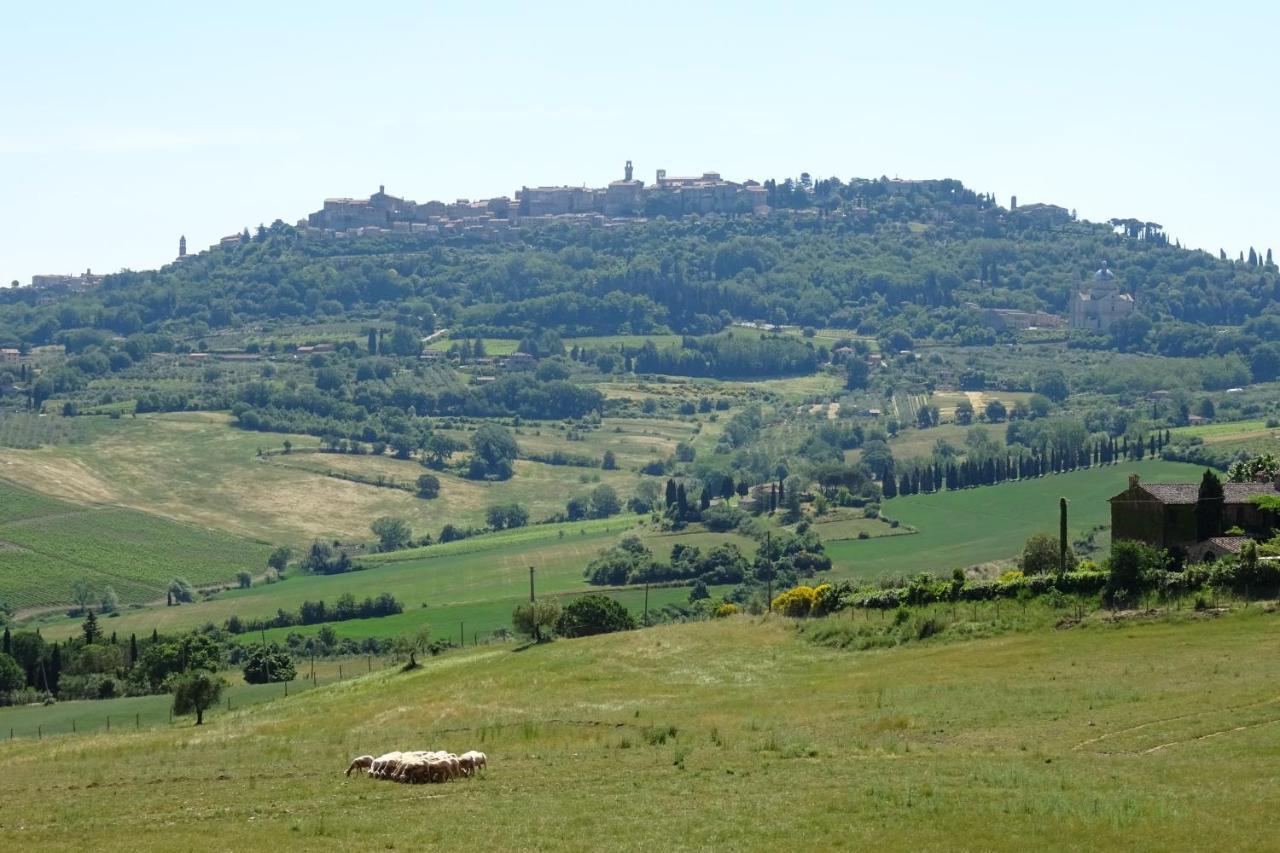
(1052, 383)
(428, 486)
(856, 374)
(110, 602)
(604, 501)
(996, 411)
(964, 412)
(269, 663)
(195, 693)
(11, 675)
(244, 580)
(92, 632)
(439, 450)
(1130, 569)
(609, 462)
(494, 451)
(1210, 500)
(280, 558)
(506, 516)
(393, 533)
(181, 591)
(1041, 555)
(82, 594)
(411, 645)
(592, 614)
(1065, 558)
(536, 619)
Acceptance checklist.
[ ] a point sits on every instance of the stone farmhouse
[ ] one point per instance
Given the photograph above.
(1163, 515)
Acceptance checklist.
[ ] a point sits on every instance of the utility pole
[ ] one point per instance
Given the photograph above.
(646, 604)
(462, 634)
(531, 598)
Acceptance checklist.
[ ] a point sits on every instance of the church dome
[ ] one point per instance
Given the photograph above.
(1104, 274)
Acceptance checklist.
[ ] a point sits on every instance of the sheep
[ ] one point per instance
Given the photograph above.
(383, 762)
(363, 762)
(479, 761)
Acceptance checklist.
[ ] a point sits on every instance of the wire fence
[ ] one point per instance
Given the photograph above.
(134, 713)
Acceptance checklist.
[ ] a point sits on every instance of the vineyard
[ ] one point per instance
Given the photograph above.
(47, 545)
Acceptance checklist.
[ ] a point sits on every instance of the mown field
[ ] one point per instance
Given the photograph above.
(196, 468)
(972, 526)
(739, 734)
(47, 545)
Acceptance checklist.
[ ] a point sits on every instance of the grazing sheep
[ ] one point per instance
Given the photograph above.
(479, 761)
(467, 764)
(363, 762)
(383, 762)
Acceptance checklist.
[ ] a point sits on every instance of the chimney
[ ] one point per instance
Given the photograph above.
(1133, 481)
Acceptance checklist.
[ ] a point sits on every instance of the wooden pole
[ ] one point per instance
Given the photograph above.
(646, 604)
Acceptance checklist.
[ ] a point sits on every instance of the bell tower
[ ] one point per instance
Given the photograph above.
(628, 171)
(182, 246)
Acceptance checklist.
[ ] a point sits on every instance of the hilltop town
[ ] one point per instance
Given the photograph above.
(625, 199)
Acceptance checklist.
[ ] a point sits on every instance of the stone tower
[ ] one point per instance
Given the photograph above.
(182, 246)
(628, 170)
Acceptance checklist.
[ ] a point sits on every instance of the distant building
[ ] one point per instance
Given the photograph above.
(67, 283)
(1014, 320)
(182, 247)
(1163, 515)
(1102, 304)
(8, 355)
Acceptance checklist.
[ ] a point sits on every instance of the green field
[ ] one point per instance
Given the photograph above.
(130, 713)
(738, 734)
(990, 523)
(473, 581)
(46, 545)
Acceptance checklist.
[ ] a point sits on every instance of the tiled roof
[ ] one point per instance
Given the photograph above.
(1187, 493)
(1230, 543)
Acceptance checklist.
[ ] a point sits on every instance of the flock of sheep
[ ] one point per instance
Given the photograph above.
(421, 766)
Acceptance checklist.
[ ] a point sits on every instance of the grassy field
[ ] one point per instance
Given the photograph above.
(473, 581)
(910, 443)
(972, 526)
(47, 545)
(130, 713)
(736, 734)
(196, 468)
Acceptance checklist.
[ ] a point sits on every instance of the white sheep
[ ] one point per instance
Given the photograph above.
(362, 762)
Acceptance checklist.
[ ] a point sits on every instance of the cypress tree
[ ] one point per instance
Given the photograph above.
(705, 501)
(155, 636)
(890, 487)
(1209, 505)
(372, 344)
(682, 500)
(671, 492)
(7, 647)
(133, 649)
(1062, 535)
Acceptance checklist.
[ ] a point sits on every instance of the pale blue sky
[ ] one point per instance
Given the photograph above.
(121, 128)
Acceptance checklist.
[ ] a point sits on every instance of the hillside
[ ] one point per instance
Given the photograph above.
(623, 741)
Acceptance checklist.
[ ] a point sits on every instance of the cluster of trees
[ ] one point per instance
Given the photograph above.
(316, 612)
(731, 355)
(631, 562)
(100, 666)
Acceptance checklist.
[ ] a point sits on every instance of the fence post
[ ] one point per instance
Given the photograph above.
(73, 726)
(39, 732)
(228, 703)
(108, 722)
(339, 672)
(370, 661)
(137, 721)
(286, 688)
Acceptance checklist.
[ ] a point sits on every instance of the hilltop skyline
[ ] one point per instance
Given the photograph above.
(140, 127)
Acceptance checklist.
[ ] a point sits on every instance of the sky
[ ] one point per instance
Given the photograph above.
(125, 125)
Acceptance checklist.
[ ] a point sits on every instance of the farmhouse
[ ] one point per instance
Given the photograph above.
(1163, 515)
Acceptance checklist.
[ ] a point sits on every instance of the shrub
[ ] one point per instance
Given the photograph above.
(593, 614)
(244, 580)
(266, 664)
(795, 602)
(726, 609)
(536, 620)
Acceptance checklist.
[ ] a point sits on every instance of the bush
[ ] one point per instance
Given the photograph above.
(536, 620)
(181, 591)
(795, 602)
(593, 614)
(244, 580)
(726, 609)
(428, 486)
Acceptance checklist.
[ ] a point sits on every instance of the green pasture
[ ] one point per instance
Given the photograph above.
(130, 713)
(1145, 733)
(1227, 431)
(479, 580)
(47, 545)
(989, 523)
